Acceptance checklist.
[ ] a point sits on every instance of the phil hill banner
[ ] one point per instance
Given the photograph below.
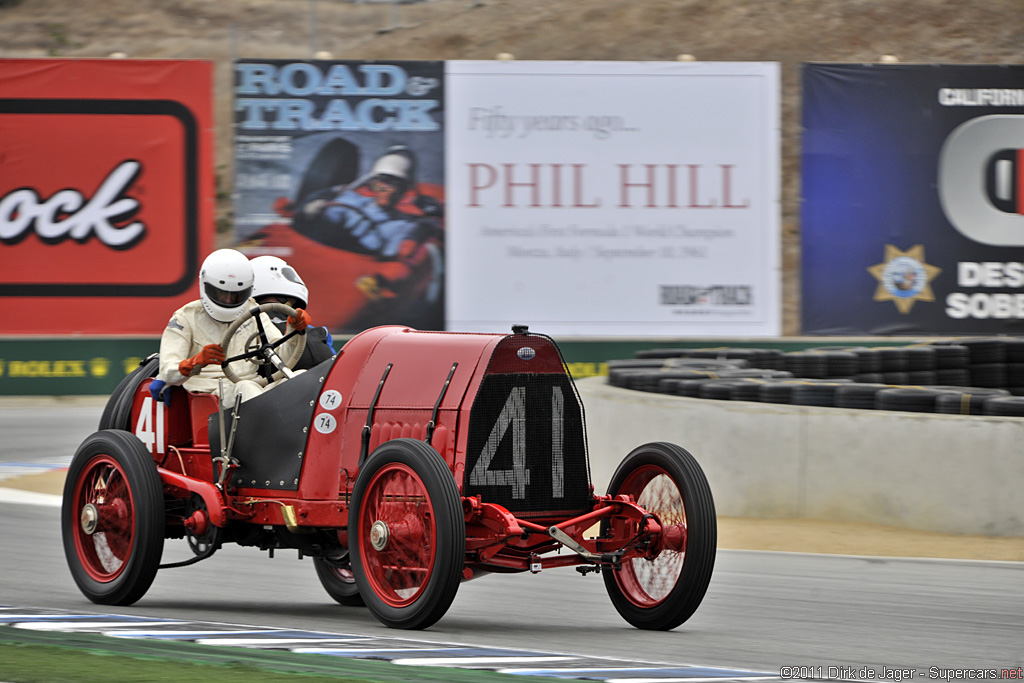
(582, 198)
(614, 198)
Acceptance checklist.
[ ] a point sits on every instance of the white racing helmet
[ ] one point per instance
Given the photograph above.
(225, 284)
(273, 276)
(397, 162)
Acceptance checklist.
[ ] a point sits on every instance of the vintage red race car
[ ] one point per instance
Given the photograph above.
(408, 463)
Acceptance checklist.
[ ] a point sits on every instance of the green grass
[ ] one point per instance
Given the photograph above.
(51, 657)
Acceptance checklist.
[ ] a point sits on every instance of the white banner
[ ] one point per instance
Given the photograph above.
(613, 198)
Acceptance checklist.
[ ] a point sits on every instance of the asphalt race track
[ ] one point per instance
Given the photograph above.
(764, 611)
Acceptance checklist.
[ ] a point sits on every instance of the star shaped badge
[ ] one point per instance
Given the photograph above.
(904, 277)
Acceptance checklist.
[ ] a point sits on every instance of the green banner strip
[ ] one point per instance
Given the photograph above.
(92, 366)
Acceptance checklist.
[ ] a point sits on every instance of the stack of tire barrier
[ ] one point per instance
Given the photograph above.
(976, 376)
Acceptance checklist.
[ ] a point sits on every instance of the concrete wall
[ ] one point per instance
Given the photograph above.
(946, 473)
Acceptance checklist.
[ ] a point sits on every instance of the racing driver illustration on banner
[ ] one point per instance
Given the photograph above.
(374, 240)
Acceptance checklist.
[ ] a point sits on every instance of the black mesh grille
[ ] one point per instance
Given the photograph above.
(527, 449)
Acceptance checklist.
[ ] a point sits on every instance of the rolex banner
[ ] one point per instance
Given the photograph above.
(913, 199)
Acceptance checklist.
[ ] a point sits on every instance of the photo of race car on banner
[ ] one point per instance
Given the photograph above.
(340, 171)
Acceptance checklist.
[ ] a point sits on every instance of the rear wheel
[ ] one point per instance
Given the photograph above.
(339, 580)
(408, 537)
(117, 413)
(662, 593)
(112, 518)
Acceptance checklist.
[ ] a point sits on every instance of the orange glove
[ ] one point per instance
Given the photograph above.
(211, 353)
(301, 320)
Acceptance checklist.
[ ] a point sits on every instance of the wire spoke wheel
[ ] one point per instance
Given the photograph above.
(104, 536)
(408, 536)
(112, 518)
(397, 522)
(649, 582)
(662, 592)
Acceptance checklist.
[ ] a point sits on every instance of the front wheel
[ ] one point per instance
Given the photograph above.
(662, 593)
(112, 518)
(407, 535)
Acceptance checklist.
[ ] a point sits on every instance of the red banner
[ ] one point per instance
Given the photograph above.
(106, 192)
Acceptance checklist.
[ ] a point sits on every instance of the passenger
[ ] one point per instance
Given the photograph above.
(190, 351)
(274, 281)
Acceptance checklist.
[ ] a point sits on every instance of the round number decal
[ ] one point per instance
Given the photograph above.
(329, 400)
(324, 423)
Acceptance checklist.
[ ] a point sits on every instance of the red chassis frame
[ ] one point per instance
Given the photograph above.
(496, 540)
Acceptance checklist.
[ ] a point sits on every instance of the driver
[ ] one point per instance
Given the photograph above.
(274, 281)
(190, 351)
(367, 217)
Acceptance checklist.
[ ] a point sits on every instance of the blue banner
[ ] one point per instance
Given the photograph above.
(913, 199)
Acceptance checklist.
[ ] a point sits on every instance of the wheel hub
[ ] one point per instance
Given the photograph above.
(90, 519)
(379, 534)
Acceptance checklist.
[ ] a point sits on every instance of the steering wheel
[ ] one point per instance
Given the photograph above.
(265, 349)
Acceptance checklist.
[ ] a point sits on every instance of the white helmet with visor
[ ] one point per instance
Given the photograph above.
(225, 284)
(273, 277)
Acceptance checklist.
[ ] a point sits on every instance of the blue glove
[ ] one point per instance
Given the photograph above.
(330, 340)
(160, 391)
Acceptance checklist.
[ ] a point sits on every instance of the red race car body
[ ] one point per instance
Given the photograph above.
(410, 462)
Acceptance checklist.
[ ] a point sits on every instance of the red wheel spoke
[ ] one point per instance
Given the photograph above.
(398, 504)
(105, 550)
(648, 582)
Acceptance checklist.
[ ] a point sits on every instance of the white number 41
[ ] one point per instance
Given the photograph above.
(513, 416)
(150, 428)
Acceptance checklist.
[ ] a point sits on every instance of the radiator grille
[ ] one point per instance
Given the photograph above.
(527, 448)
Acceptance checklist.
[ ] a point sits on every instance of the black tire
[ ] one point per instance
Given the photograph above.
(922, 378)
(961, 403)
(719, 390)
(407, 581)
(716, 365)
(859, 396)
(985, 351)
(693, 503)
(114, 476)
(117, 413)
(907, 399)
(991, 375)
(691, 387)
(841, 363)
(816, 393)
(747, 388)
(807, 364)
(1007, 406)
(894, 359)
(951, 356)
(339, 581)
(921, 358)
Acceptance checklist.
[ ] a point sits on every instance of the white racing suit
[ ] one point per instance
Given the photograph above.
(191, 328)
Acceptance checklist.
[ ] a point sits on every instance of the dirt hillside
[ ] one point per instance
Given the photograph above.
(787, 31)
